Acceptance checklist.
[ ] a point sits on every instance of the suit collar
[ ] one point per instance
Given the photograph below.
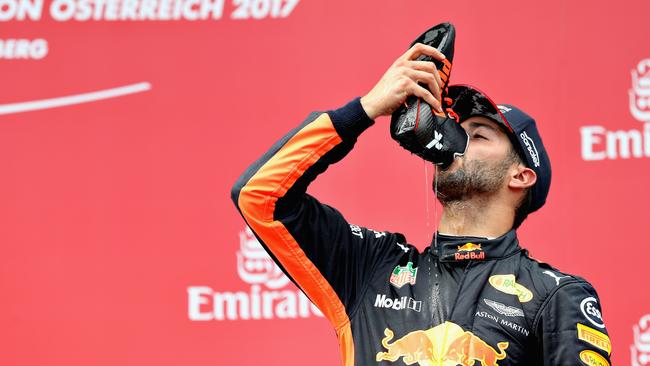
(464, 248)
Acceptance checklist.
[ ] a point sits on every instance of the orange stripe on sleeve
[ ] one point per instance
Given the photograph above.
(346, 345)
(257, 203)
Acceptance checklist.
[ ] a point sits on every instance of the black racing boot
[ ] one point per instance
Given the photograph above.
(434, 136)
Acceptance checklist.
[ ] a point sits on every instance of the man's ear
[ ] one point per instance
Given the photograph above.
(522, 177)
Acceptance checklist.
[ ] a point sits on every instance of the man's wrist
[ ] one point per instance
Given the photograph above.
(369, 108)
(351, 119)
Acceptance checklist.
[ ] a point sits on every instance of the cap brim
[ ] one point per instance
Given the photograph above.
(468, 101)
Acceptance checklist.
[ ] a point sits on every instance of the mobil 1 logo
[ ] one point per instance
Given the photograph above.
(401, 303)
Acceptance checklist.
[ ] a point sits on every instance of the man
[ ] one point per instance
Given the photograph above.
(474, 296)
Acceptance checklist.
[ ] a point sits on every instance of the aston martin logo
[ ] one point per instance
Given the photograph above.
(504, 309)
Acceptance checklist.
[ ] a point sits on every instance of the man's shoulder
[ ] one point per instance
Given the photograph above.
(548, 280)
(390, 241)
(562, 295)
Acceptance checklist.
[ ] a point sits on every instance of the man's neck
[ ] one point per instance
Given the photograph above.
(476, 218)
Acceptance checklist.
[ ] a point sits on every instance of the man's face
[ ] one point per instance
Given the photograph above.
(483, 170)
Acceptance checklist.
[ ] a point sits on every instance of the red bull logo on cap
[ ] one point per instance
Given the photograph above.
(444, 344)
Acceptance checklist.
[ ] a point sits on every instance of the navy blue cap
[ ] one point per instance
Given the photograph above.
(468, 101)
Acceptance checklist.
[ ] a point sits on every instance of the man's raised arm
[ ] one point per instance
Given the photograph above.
(326, 257)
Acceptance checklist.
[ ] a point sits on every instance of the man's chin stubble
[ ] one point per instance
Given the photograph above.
(475, 178)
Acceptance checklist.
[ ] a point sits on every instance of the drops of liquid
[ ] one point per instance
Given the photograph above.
(426, 193)
(435, 206)
(427, 187)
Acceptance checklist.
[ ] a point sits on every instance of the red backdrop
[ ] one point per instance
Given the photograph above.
(120, 245)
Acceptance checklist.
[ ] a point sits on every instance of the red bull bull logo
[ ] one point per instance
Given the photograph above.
(469, 247)
(443, 344)
(469, 251)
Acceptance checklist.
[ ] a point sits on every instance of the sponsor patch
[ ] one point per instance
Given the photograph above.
(592, 358)
(403, 274)
(532, 149)
(404, 302)
(504, 309)
(594, 337)
(591, 311)
(469, 251)
(556, 277)
(508, 284)
(502, 321)
(469, 247)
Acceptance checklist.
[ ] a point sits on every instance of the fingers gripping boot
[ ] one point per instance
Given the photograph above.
(434, 136)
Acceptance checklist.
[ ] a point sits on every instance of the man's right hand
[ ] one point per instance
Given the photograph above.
(401, 80)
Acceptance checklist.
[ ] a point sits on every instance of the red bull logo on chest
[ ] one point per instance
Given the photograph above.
(402, 275)
(469, 251)
(444, 344)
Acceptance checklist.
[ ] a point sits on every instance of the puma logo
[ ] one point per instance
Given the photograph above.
(557, 278)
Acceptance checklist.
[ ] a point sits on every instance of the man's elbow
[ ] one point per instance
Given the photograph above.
(235, 191)
(248, 202)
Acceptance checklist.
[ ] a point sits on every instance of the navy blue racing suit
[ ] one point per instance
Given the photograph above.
(462, 301)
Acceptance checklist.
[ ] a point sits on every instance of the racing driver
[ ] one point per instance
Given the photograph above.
(474, 296)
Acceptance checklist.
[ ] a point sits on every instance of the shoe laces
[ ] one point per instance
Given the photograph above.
(450, 112)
